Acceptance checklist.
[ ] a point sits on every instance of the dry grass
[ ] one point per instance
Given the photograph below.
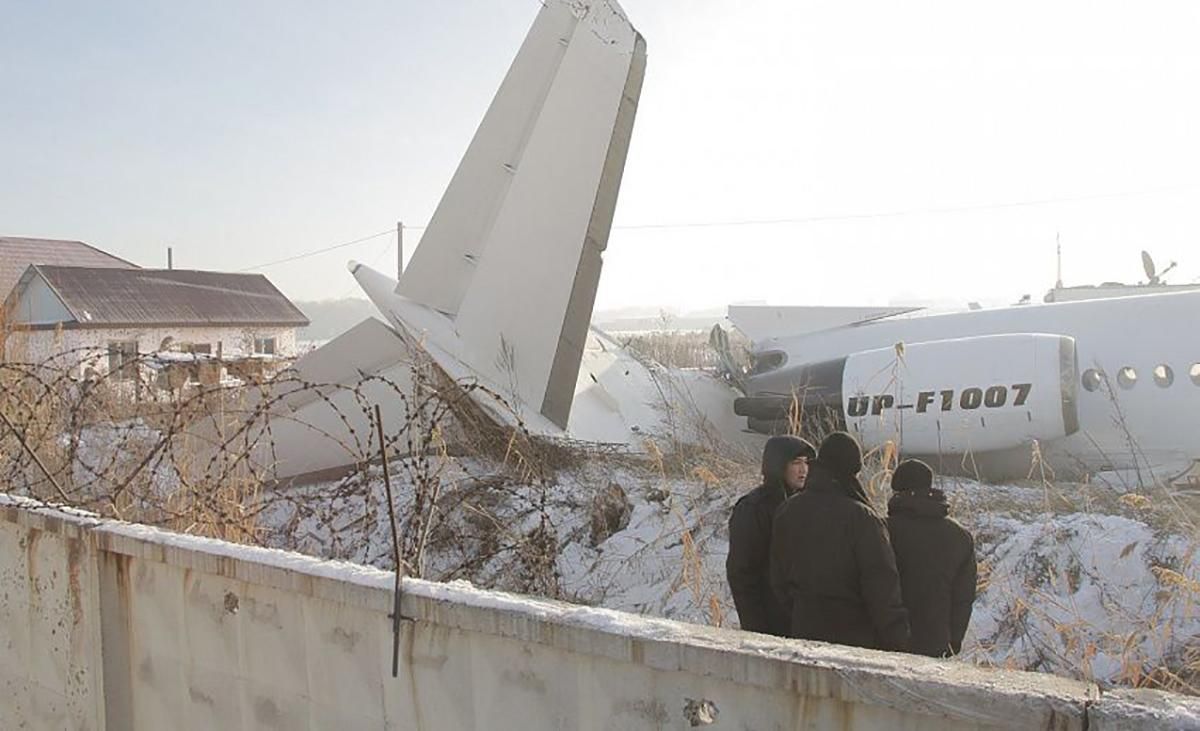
(684, 348)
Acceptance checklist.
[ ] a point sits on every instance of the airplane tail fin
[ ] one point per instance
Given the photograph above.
(512, 256)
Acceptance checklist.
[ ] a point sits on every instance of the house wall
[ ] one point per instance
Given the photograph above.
(107, 625)
(73, 346)
(38, 304)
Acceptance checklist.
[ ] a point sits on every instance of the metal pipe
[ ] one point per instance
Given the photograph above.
(387, 484)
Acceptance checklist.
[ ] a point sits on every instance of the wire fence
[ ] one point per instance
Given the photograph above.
(172, 447)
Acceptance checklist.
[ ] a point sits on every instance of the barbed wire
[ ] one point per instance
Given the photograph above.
(192, 445)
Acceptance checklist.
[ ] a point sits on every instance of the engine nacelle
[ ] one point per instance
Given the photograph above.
(976, 394)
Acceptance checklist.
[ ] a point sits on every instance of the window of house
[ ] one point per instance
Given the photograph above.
(264, 346)
(193, 370)
(122, 359)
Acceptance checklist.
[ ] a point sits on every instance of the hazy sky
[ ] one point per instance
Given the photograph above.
(246, 132)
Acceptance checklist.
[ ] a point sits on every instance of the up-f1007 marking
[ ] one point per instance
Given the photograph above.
(968, 399)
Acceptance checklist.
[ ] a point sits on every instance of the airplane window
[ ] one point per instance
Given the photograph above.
(1092, 379)
(1195, 373)
(1163, 375)
(1127, 377)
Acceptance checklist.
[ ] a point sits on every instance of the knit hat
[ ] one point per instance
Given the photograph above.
(912, 475)
(841, 454)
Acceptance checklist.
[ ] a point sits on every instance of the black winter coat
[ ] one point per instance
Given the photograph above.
(831, 559)
(936, 558)
(748, 565)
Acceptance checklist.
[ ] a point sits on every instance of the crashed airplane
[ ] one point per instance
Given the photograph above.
(1099, 385)
(500, 292)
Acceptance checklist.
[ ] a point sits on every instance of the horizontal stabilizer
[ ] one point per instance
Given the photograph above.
(321, 418)
(367, 347)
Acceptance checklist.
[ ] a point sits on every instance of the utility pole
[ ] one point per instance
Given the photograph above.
(1058, 248)
(170, 263)
(399, 249)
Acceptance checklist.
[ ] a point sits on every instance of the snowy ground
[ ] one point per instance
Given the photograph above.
(1075, 580)
(1079, 580)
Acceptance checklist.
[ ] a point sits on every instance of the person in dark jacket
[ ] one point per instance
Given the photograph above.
(831, 558)
(784, 468)
(936, 558)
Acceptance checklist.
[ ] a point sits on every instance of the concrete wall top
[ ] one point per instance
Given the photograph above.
(1132, 710)
(975, 697)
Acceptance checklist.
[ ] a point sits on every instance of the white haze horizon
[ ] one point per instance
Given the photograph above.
(789, 152)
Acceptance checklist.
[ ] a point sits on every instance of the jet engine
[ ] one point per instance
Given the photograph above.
(975, 394)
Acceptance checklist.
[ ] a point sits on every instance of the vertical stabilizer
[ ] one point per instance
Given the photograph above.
(513, 254)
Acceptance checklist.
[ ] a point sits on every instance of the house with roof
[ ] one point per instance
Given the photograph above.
(18, 252)
(98, 320)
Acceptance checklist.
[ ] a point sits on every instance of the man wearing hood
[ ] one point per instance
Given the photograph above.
(784, 468)
(936, 558)
(831, 558)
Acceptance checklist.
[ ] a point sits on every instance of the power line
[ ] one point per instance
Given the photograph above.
(796, 220)
(907, 212)
(319, 251)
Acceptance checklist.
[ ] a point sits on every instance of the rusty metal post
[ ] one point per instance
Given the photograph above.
(387, 484)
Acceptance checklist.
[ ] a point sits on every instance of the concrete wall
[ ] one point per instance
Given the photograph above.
(105, 625)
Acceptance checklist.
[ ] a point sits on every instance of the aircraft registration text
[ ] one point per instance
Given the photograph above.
(992, 397)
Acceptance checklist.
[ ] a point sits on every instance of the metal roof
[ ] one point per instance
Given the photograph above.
(17, 253)
(109, 297)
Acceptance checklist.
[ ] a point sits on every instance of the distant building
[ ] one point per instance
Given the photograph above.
(97, 320)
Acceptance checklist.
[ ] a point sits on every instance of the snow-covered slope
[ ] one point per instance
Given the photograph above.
(1080, 582)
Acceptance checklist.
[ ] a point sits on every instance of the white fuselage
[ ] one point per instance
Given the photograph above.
(1146, 423)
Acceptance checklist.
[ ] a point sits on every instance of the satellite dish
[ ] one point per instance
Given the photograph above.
(1148, 265)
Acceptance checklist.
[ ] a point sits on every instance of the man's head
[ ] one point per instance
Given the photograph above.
(841, 454)
(912, 475)
(785, 461)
